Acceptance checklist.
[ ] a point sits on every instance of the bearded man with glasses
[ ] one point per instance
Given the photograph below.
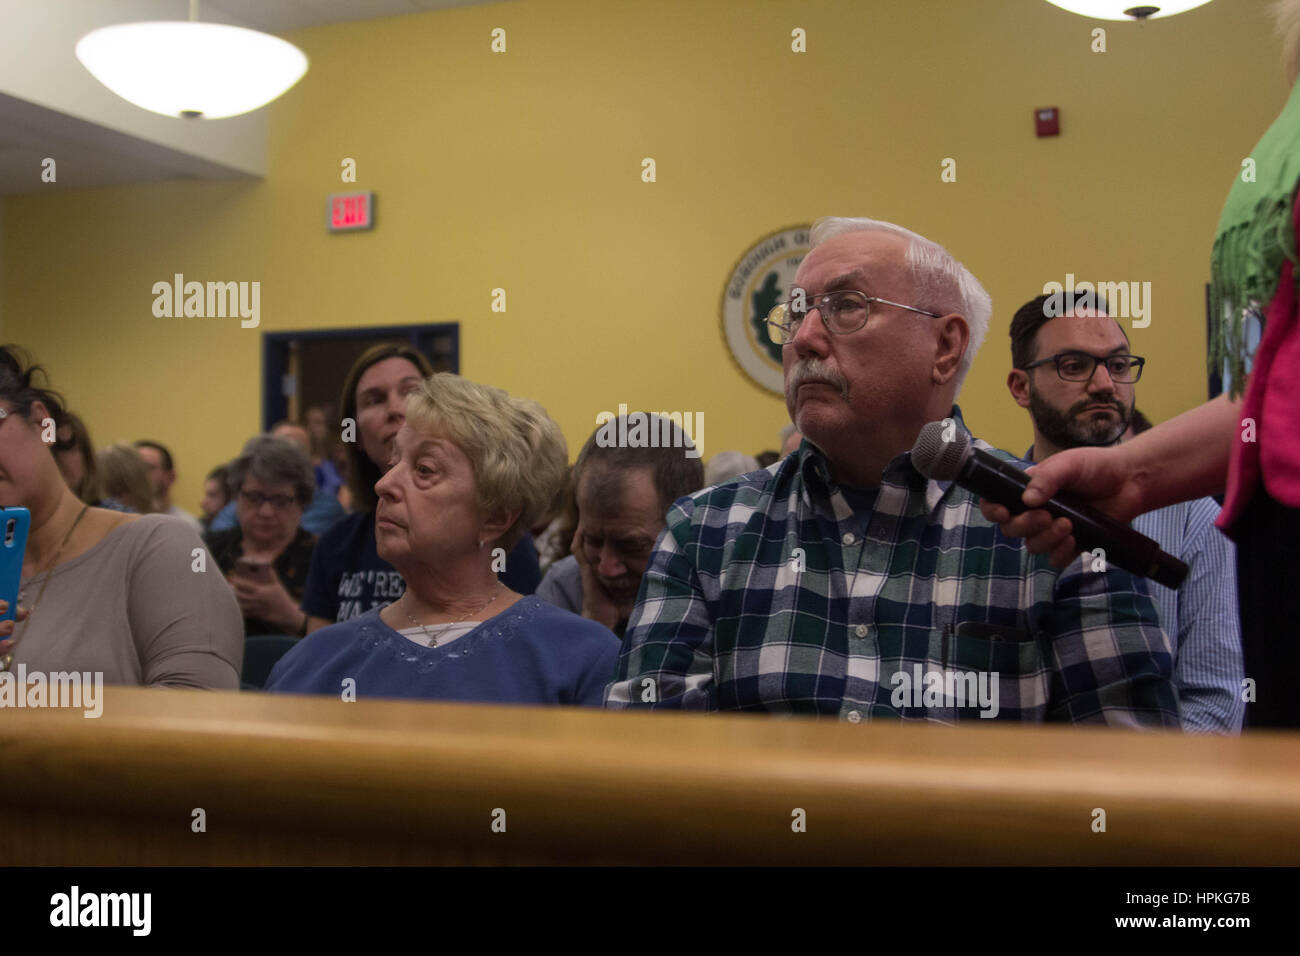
(1075, 374)
(840, 579)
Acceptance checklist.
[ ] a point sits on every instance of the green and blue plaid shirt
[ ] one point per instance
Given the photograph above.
(772, 592)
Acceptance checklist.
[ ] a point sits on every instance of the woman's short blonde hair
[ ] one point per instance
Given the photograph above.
(516, 450)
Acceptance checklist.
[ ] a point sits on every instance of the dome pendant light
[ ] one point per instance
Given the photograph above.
(1127, 9)
(191, 70)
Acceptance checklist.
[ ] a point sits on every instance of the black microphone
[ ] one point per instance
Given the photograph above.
(1002, 483)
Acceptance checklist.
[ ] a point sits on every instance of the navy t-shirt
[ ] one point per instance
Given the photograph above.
(348, 577)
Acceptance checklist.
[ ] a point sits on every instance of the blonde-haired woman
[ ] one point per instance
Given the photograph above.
(472, 468)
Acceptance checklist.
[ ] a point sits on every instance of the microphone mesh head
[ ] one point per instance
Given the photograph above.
(936, 458)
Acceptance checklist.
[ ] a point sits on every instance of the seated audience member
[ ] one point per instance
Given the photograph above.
(844, 583)
(348, 577)
(549, 531)
(103, 591)
(216, 495)
(790, 439)
(726, 465)
(124, 479)
(471, 469)
(766, 458)
(266, 556)
(75, 454)
(162, 475)
(622, 496)
(321, 433)
(323, 509)
(1242, 443)
(1072, 369)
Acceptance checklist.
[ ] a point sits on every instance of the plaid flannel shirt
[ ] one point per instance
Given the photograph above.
(768, 593)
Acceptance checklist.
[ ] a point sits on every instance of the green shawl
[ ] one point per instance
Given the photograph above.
(1254, 238)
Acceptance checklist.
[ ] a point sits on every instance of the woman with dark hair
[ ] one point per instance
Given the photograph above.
(75, 455)
(266, 556)
(103, 591)
(347, 576)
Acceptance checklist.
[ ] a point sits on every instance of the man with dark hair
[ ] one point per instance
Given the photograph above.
(1074, 372)
(623, 495)
(162, 475)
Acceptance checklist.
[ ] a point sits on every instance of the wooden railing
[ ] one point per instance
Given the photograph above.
(278, 779)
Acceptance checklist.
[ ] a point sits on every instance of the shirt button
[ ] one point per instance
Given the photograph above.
(854, 716)
(861, 630)
(849, 538)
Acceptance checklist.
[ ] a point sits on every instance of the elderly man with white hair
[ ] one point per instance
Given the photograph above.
(842, 582)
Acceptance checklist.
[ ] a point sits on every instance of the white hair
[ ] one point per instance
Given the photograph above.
(942, 284)
(726, 465)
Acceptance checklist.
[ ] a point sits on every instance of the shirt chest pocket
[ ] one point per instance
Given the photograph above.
(1014, 660)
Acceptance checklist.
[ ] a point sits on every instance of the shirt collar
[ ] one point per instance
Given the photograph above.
(815, 471)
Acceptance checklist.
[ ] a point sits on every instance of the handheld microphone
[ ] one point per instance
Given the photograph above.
(1002, 483)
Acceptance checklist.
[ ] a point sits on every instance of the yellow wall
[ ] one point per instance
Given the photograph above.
(522, 170)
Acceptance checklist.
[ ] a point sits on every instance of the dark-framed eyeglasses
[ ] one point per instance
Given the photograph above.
(255, 500)
(1081, 367)
(842, 312)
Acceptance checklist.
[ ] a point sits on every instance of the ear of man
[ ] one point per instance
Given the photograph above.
(951, 339)
(1018, 386)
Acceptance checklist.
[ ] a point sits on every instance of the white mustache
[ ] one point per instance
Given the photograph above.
(815, 370)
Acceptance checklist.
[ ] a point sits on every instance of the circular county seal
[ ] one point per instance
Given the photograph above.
(760, 281)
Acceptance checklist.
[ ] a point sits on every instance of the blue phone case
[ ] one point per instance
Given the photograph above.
(13, 543)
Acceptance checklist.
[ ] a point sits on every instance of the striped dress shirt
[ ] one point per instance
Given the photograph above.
(1201, 617)
(771, 592)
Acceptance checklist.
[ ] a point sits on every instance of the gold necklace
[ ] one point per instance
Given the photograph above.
(433, 641)
(49, 572)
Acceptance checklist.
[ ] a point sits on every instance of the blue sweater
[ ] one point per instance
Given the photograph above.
(530, 653)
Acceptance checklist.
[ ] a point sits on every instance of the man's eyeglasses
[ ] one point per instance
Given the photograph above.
(1080, 366)
(842, 312)
(256, 500)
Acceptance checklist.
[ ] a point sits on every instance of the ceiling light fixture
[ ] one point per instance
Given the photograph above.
(191, 70)
(1127, 9)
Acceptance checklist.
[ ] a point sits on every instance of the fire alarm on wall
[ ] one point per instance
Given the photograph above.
(1047, 121)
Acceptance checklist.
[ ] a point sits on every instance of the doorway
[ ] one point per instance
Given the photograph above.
(302, 369)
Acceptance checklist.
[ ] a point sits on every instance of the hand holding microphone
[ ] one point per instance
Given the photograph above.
(1095, 474)
(1065, 524)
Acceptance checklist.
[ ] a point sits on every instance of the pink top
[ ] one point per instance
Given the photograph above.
(1273, 401)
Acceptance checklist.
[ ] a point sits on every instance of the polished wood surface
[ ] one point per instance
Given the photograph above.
(293, 780)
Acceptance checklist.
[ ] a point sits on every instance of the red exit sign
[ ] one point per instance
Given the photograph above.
(346, 212)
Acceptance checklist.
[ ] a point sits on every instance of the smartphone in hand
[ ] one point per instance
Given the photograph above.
(259, 572)
(13, 543)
